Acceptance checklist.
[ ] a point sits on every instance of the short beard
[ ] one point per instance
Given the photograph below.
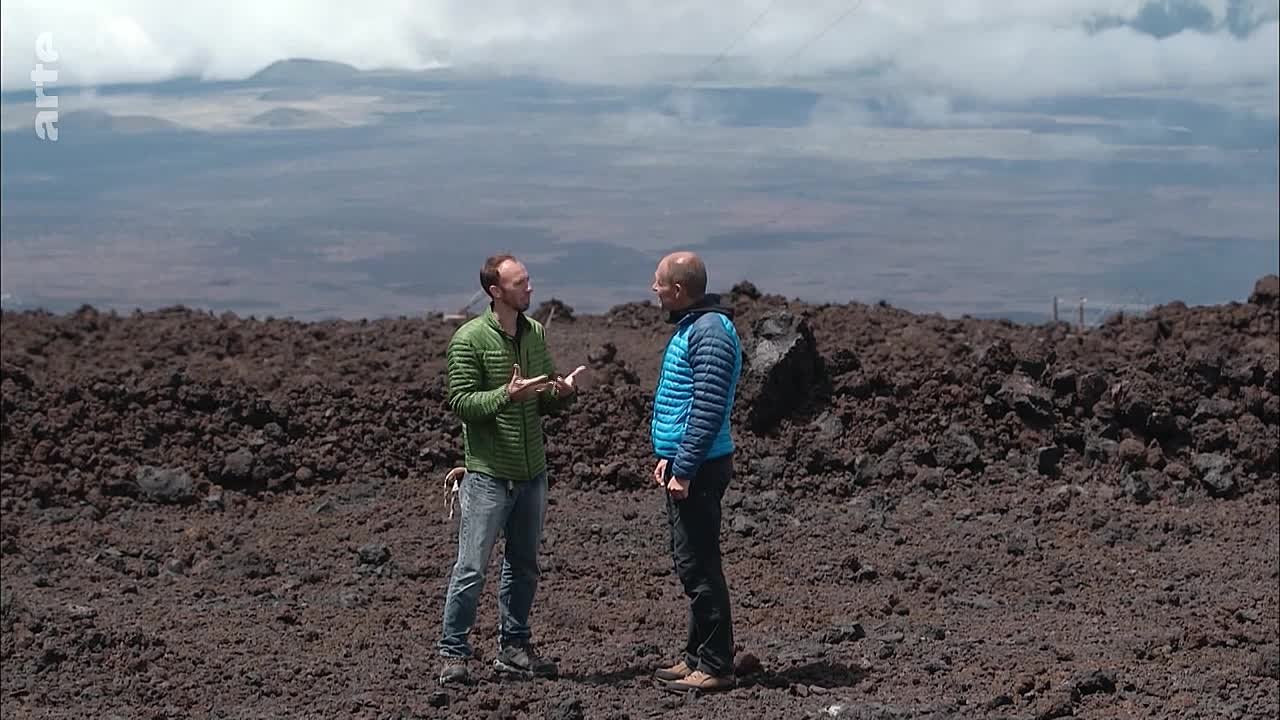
(517, 306)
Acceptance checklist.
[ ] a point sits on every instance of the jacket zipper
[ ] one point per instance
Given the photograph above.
(524, 415)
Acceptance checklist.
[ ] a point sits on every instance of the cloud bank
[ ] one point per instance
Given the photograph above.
(990, 49)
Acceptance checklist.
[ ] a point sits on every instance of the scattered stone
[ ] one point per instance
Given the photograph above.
(1162, 424)
(1058, 706)
(744, 525)
(1267, 664)
(1216, 474)
(1047, 459)
(931, 479)
(213, 501)
(1178, 472)
(50, 656)
(1136, 487)
(1092, 386)
(936, 665)
(1020, 542)
(998, 357)
(843, 634)
(1100, 451)
(1214, 408)
(998, 701)
(1132, 453)
(164, 485)
(1097, 681)
(746, 664)
(1155, 456)
(81, 612)
(237, 469)
(958, 450)
(1032, 403)
(828, 429)
(570, 709)
(373, 554)
(1064, 382)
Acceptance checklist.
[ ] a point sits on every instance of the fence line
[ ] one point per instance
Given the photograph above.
(1098, 311)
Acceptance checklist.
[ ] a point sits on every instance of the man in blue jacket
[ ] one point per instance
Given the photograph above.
(694, 446)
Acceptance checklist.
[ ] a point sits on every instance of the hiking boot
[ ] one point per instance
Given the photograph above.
(698, 681)
(521, 660)
(679, 671)
(455, 672)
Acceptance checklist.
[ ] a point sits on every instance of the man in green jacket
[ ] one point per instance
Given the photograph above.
(505, 486)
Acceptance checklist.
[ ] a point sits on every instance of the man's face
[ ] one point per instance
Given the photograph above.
(513, 289)
(670, 296)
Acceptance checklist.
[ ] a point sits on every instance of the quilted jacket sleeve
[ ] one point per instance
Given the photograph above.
(466, 398)
(713, 353)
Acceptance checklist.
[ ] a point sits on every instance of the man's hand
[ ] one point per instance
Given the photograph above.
(521, 388)
(659, 471)
(565, 385)
(678, 488)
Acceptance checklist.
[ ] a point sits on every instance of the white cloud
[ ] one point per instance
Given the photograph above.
(984, 48)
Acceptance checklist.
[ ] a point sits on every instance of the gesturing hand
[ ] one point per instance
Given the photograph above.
(659, 471)
(521, 388)
(565, 385)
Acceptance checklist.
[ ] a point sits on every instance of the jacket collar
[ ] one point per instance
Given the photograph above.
(491, 318)
(707, 304)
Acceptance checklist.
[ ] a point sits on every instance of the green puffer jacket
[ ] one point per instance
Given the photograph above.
(502, 439)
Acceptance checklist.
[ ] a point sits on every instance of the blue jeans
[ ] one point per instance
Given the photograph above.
(489, 506)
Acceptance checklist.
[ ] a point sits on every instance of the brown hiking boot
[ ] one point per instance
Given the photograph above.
(699, 681)
(679, 671)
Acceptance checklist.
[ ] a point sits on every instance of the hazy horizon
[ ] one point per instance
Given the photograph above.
(348, 184)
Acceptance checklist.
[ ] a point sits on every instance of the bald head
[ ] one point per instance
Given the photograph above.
(688, 271)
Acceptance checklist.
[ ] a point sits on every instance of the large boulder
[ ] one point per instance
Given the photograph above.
(1266, 291)
(781, 370)
(553, 310)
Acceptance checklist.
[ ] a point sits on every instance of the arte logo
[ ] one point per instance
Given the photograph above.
(46, 122)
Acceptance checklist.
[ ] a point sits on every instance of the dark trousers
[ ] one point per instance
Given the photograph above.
(695, 548)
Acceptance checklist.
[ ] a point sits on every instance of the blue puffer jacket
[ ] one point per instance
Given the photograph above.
(694, 399)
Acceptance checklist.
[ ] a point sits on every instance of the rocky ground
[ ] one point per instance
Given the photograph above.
(218, 517)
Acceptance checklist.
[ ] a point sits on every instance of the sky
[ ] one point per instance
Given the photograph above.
(986, 49)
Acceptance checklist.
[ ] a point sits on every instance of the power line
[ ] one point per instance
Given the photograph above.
(786, 210)
(851, 9)
(734, 43)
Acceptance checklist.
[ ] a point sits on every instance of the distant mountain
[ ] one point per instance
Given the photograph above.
(302, 71)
